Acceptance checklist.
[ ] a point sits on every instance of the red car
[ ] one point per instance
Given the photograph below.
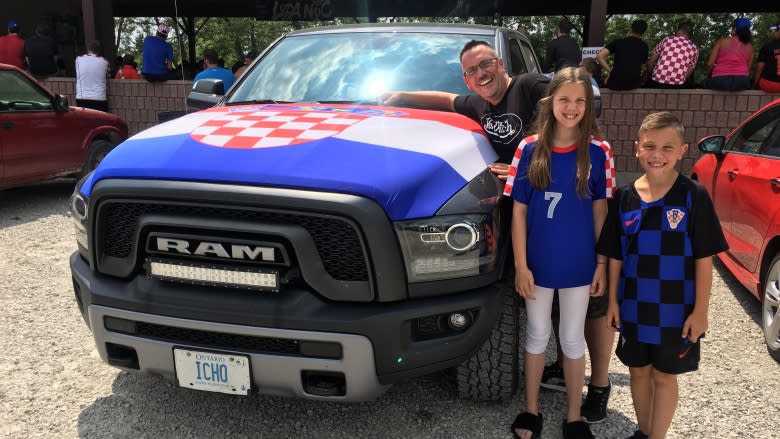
(741, 172)
(42, 137)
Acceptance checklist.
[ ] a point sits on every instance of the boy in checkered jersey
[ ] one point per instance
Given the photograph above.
(660, 235)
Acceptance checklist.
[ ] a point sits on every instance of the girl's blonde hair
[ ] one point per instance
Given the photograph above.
(539, 167)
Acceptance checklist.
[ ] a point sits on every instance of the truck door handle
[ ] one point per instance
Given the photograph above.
(8, 126)
(775, 183)
(732, 174)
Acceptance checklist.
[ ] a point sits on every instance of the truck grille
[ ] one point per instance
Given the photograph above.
(337, 241)
(263, 345)
(225, 341)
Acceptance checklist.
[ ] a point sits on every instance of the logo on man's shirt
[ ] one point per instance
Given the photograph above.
(504, 128)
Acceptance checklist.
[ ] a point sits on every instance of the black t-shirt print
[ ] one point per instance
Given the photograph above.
(503, 128)
(508, 122)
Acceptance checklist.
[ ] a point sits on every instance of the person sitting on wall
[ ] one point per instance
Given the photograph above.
(730, 59)
(211, 69)
(630, 57)
(41, 53)
(128, 70)
(768, 65)
(12, 47)
(674, 59)
(157, 56)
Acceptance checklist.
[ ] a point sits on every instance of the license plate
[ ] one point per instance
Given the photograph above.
(212, 372)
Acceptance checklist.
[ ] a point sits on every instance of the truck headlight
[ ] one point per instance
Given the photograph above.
(79, 212)
(448, 246)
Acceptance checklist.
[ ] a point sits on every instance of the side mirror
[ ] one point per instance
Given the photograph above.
(60, 103)
(712, 144)
(206, 93)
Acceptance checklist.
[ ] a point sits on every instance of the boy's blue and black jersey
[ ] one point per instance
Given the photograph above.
(659, 243)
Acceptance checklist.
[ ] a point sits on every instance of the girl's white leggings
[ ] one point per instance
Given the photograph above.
(573, 305)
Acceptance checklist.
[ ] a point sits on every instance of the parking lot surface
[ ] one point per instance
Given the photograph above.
(53, 384)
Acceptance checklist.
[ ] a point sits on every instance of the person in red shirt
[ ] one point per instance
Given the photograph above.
(128, 70)
(12, 47)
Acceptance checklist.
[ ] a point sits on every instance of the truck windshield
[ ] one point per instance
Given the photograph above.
(355, 67)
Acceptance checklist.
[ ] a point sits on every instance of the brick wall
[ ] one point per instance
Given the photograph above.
(138, 102)
(702, 111)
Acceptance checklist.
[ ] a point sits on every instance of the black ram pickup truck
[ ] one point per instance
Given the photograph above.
(298, 239)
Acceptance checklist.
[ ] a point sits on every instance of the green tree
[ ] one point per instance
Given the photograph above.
(234, 37)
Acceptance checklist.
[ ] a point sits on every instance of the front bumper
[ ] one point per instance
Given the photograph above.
(378, 341)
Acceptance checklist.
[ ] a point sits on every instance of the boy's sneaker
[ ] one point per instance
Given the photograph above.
(576, 430)
(594, 409)
(552, 377)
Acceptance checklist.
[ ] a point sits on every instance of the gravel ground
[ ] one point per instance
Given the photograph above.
(53, 384)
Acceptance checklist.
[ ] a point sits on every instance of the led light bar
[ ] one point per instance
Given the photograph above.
(212, 275)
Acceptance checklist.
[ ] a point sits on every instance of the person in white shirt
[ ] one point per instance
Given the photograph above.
(92, 70)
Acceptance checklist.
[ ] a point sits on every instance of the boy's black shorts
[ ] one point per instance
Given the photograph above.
(672, 359)
(597, 306)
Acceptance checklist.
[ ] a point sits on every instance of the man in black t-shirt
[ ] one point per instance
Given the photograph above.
(40, 51)
(503, 105)
(563, 50)
(767, 77)
(630, 59)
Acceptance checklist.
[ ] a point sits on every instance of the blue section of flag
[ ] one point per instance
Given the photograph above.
(406, 184)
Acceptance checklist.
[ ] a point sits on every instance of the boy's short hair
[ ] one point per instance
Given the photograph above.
(659, 121)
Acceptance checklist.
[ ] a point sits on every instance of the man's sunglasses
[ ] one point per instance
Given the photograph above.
(484, 65)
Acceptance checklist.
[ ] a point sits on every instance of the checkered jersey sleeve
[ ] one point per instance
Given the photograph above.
(610, 244)
(706, 234)
(604, 164)
(659, 48)
(515, 179)
(694, 58)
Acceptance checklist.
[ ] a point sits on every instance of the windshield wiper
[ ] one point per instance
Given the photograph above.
(356, 102)
(260, 101)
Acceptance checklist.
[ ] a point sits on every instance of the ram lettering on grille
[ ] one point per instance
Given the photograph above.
(205, 248)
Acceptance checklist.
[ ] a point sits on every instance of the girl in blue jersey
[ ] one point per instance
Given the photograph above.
(560, 179)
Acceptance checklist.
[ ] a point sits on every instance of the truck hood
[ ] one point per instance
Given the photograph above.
(409, 161)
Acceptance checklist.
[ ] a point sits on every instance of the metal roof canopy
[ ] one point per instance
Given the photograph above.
(328, 9)
(594, 11)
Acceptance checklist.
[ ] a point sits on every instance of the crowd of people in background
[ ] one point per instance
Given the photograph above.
(672, 62)
(39, 56)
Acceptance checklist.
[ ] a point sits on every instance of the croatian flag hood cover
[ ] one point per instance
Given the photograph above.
(409, 161)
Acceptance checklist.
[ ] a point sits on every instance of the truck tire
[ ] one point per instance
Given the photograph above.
(95, 154)
(493, 372)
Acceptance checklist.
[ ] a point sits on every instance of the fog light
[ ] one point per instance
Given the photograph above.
(459, 321)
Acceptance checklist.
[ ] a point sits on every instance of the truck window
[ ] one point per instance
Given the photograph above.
(518, 64)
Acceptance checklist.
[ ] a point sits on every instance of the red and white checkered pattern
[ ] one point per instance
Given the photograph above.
(676, 55)
(262, 129)
(609, 166)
